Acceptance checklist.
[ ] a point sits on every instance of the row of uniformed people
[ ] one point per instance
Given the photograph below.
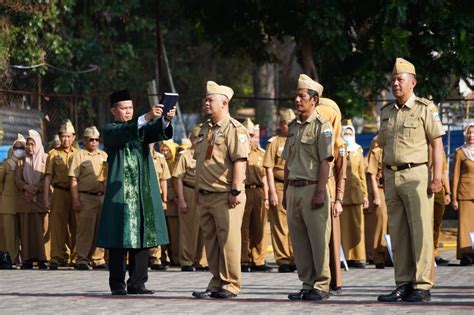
(75, 179)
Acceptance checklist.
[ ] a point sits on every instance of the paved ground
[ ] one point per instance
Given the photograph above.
(71, 291)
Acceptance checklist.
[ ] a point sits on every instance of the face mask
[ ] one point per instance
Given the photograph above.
(19, 153)
(348, 140)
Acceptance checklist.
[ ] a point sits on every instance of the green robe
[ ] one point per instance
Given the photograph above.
(132, 214)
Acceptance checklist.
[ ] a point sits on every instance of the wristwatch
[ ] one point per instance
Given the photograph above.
(235, 192)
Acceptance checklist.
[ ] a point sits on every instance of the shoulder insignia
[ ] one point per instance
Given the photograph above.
(423, 101)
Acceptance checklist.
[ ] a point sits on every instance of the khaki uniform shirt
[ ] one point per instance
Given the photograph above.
(356, 186)
(8, 190)
(308, 143)
(217, 147)
(57, 166)
(161, 167)
(374, 167)
(185, 167)
(255, 170)
(405, 132)
(273, 159)
(90, 170)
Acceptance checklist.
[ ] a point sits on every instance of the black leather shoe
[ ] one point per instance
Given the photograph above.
(284, 269)
(42, 265)
(140, 291)
(82, 266)
(261, 268)
(27, 265)
(418, 295)
(204, 294)
(244, 268)
(465, 261)
(187, 268)
(293, 267)
(119, 292)
(224, 294)
(380, 266)
(355, 264)
(396, 295)
(298, 296)
(100, 267)
(315, 295)
(200, 268)
(158, 267)
(53, 265)
(441, 261)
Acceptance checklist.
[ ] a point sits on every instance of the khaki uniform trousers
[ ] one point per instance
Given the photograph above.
(170, 252)
(375, 230)
(310, 231)
(277, 215)
(253, 228)
(352, 232)
(10, 235)
(191, 242)
(438, 212)
(62, 226)
(410, 222)
(32, 236)
(47, 237)
(87, 219)
(335, 240)
(222, 236)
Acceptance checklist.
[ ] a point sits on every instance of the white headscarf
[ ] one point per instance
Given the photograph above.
(467, 148)
(34, 165)
(350, 142)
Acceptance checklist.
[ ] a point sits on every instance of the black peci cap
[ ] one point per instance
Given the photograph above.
(119, 96)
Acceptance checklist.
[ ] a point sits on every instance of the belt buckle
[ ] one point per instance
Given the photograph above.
(394, 168)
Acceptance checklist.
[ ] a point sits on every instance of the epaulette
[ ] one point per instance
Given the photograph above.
(321, 118)
(236, 123)
(423, 101)
(261, 150)
(291, 123)
(272, 139)
(389, 103)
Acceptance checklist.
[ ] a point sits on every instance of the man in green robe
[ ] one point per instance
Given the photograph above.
(132, 219)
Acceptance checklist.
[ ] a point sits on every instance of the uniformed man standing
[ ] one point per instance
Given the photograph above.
(336, 184)
(308, 153)
(87, 173)
(162, 175)
(275, 171)
(408, 126)
(222, 149)
(376, 217)
(255, 215)
(62, 220)
(191, 243)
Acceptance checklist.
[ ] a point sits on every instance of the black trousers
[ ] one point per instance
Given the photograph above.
(137, 268)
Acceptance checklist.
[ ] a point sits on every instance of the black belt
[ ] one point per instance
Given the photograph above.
(253, 186)
(99, 193)
(188, 185)
(61, 187)
(402, 167)
(280, 180)
(301, 182)
(206, 192)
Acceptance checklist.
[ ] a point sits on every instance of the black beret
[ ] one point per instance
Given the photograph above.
(119, 96)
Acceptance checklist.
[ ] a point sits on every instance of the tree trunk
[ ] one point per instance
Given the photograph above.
(309, 66)
(264, 86)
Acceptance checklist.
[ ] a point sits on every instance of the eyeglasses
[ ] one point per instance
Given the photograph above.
(94, 139)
